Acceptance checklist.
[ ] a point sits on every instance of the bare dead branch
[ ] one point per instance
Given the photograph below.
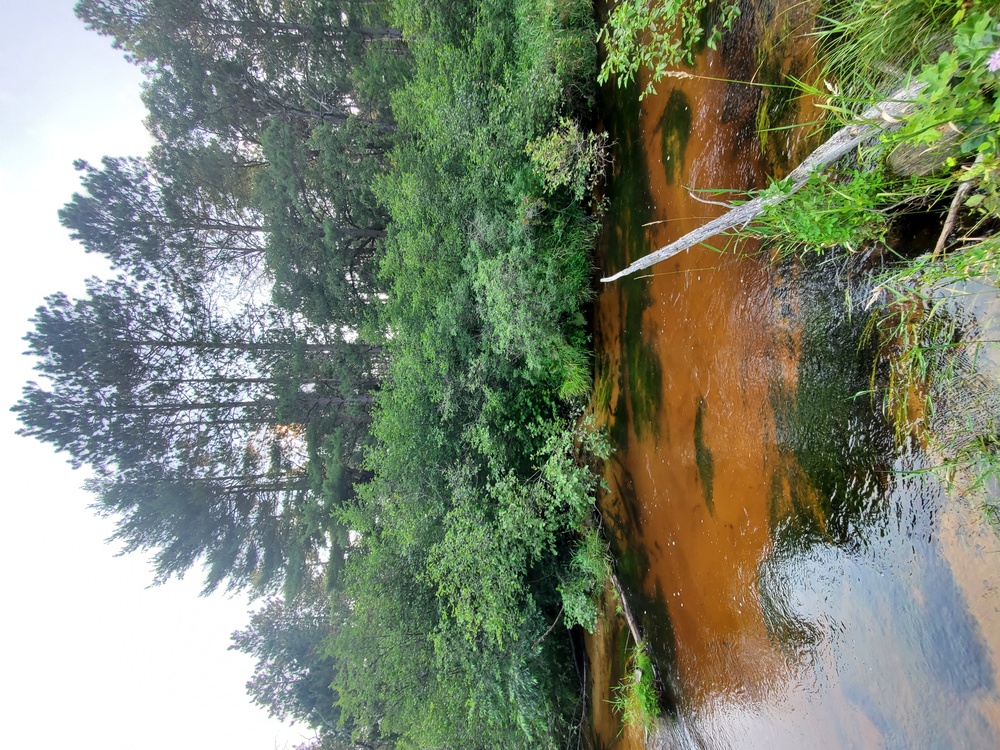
(883, 117)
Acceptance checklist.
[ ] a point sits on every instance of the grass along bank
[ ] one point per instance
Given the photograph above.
(938, 166)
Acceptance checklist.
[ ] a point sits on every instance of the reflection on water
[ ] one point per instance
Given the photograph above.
(880, 646)
(798, 584)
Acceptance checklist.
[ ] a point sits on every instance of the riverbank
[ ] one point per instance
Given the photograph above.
(750, 476)
(922, 199)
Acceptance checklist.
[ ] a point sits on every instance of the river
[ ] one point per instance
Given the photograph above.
(799, 582)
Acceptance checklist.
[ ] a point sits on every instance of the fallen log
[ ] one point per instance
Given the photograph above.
(883, 117)
(633, 624)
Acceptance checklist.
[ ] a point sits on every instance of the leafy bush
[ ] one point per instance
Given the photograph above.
(568, 157)
(588, 571)
(659, 35)
(833, 210)
(961, 95)
(495, 532)
(479, 488)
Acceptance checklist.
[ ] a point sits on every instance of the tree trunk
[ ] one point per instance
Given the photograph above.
(306, 401)
(633, 624)
(236, 345)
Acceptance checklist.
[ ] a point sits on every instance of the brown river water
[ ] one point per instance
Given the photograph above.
(797, 584)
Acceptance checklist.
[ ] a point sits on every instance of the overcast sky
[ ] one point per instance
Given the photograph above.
(91, 656)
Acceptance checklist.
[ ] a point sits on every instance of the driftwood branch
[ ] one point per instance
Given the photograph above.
(956, 203)
(546, 633)
(949, 223)
(629, 617)
(883, 117)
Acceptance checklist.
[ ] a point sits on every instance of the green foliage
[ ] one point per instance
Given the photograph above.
(660, 35)
(568, 157)
(635, 697)
(479, 567)
(322, 219)
(833, 210)
(480, 483)
(585, 578)
(293, 672)
(961, 96)
(495, 534)
(426, 683)
(867, 44)
(530, 293)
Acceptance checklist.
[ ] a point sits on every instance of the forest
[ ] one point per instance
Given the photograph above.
(343, 356)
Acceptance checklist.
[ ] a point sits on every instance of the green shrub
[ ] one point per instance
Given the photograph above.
(588, 572)
(568, 157)
(833, 210)
(659, 35)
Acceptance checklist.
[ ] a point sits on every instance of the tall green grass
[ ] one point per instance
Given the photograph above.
(867, 46)
(634, 699)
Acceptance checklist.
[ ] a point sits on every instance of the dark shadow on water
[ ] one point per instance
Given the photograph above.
(627, 194)
(838, 448)
(642, 363)
(624, 240)
(674, 129)
(703, 458)
(629, 501)
(632, 566)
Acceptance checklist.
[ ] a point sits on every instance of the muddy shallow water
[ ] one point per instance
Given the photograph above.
(797, 584)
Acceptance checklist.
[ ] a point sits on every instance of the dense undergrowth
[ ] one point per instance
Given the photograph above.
(477, 502)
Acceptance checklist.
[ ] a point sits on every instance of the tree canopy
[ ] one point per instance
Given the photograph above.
(342, 361)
